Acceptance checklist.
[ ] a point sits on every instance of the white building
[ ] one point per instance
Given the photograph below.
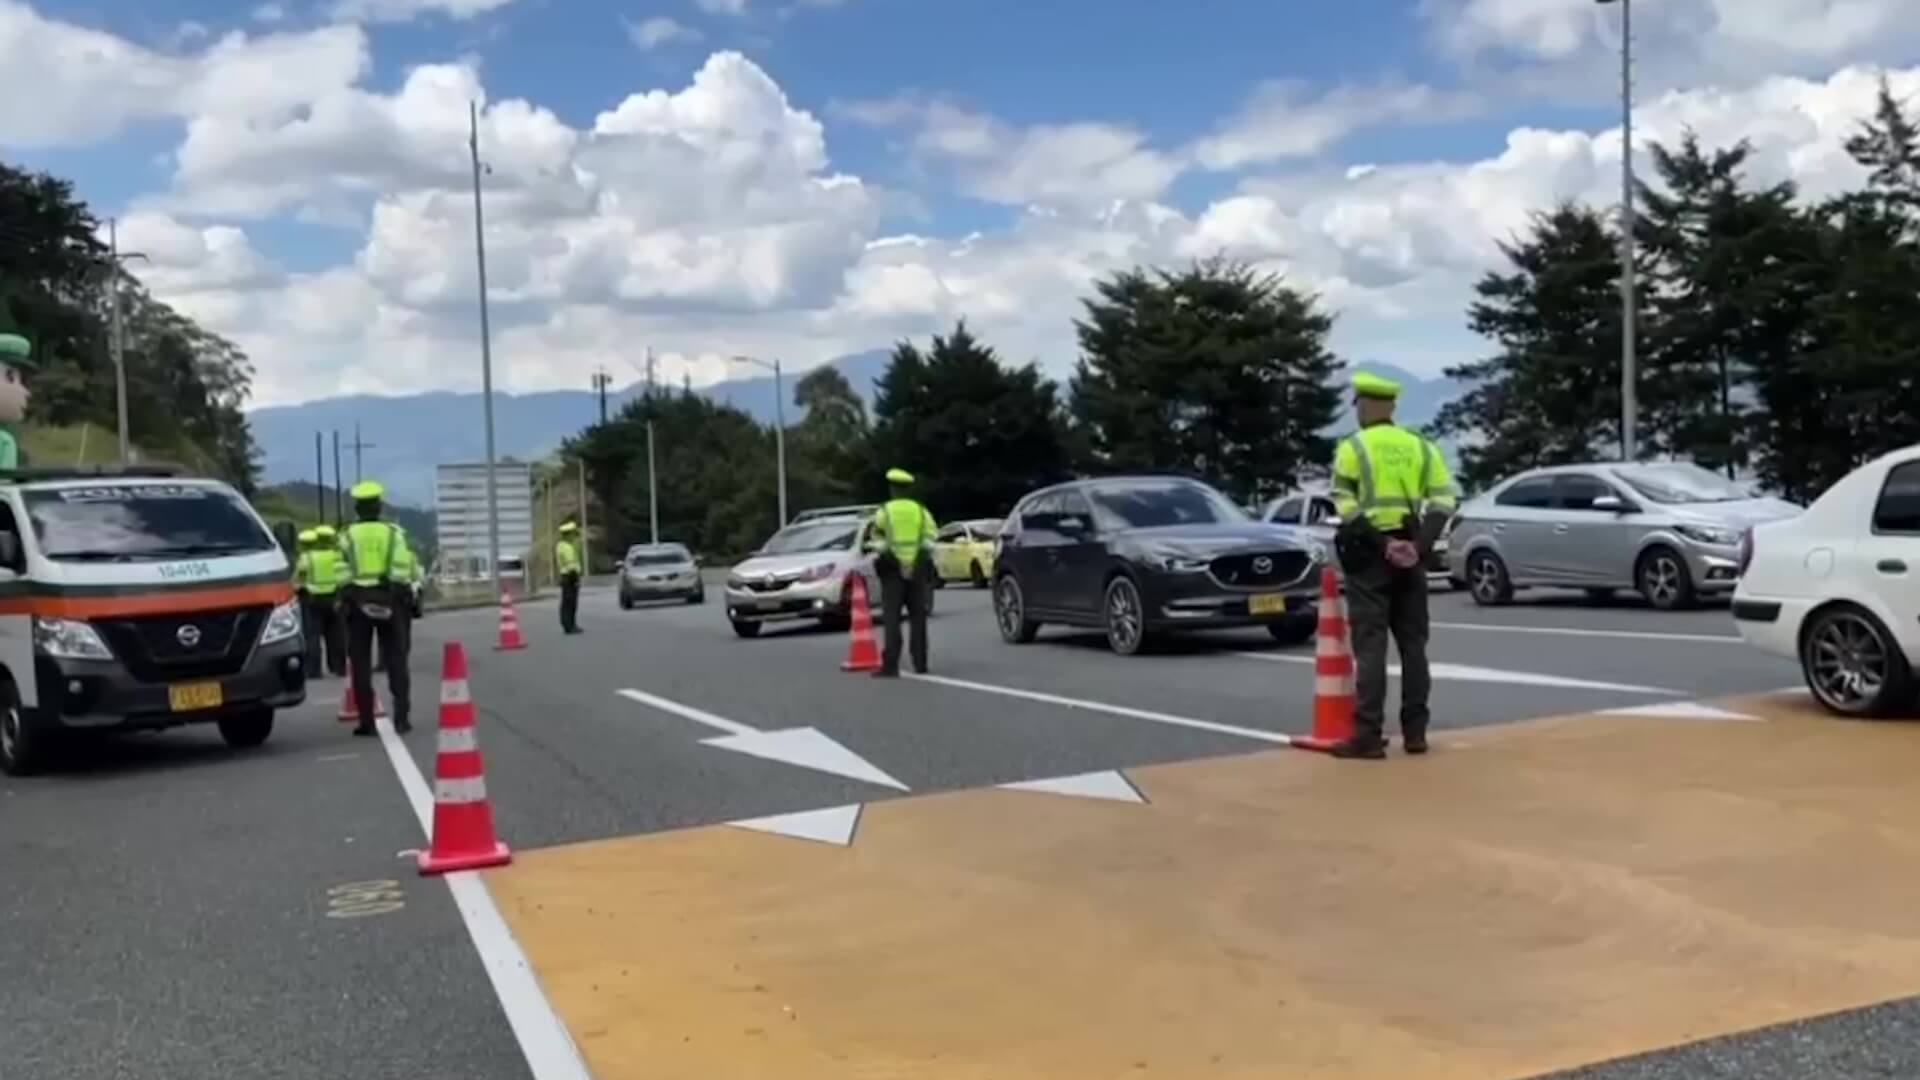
(460, 518)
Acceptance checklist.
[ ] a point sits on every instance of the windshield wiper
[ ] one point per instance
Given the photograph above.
(91, 555)
(195, 549)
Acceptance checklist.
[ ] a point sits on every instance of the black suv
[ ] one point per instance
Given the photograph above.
(1139, 555)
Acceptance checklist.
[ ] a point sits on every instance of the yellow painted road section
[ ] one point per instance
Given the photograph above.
(1525, 899)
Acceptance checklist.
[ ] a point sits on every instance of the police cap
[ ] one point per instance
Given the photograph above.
(325, 532)
(366, 490)
(1368, 385)
(899, 476)
(308, 536)
(569, 527)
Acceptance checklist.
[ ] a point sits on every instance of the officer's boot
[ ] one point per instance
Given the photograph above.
(1360, 748)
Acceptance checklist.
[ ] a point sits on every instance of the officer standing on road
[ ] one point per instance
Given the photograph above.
(303, 591)
(1394, 494)
(378, 600)
(903, 536)
(326, 572)
(567, 564)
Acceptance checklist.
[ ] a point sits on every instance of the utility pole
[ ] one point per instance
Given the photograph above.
(1629, 407)
(116, 339)
(779, 428)
(339, 493)
(486, 349)
(600, 382)
(586, 560)
(319, 479)
(358, 446)
(653, 482)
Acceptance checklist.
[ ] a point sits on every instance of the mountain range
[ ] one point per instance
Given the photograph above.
(404, 437)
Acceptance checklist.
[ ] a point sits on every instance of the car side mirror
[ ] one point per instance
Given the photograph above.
(1332, 520)
(1610, 503)
(1074, 525)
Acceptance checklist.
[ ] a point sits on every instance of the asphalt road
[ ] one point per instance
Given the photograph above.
(167, 914)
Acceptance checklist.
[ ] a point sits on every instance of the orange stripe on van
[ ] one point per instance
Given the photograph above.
(176, 601)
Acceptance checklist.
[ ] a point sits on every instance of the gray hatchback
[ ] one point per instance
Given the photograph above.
(1670, 531)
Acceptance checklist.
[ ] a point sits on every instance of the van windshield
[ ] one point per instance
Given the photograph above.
(125, 523)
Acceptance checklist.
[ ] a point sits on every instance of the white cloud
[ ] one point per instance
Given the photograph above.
(660, 30)
(408, 10)
(270, 13)
(722, 7)
(1288, 120)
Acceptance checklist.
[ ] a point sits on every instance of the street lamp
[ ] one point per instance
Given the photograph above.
(486, 352)
(779, 427)
(1628, 328)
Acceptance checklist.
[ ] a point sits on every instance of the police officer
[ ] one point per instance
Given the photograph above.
(378, 600)
(903, 536)
(303, 590)
(1394, 494)
(567, 564)
(326, 638)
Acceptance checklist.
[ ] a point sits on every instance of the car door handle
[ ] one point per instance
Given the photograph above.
(1891, 566)
(1559, 528)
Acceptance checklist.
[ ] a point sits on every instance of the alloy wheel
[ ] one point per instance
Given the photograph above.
(1661, 580)
(1848, 662)
(1124, 618)
(1009, 608)
(1484, 577)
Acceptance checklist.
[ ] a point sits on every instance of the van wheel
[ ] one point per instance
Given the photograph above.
(246, 730)
(24, 747)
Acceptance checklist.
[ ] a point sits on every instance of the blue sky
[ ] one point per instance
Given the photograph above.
(1002, 154)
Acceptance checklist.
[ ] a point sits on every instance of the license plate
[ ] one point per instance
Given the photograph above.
(188, 697)
(1270, 604)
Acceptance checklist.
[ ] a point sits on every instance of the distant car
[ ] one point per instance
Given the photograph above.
(963, 551)
(660, 572)
(805, 571)
(1314, 512)
(857, 510)
(1139, 556)
(1838, 588)
(1668, 530)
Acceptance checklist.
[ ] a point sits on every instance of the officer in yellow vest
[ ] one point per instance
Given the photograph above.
(568, 566)
(381, 571)
(903, 537)
(1393, 492)
(326, 634)
(303, 590)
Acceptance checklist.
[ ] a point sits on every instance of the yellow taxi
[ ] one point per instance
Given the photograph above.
(963, 551)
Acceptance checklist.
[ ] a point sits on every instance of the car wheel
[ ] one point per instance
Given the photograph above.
(1487, 579)
(24, 746)
(745, 629)
(698, 598)
(247, 730)
(1852, 664)
(626, 602)
(1294, 631)
(1663, 579)
(1010, 612)
(977, 576)
(1125, 617)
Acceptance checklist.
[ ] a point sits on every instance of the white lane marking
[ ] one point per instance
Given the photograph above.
(544, 1041)
(808, 748)
(1110, 785)
(1470, 673)
(1115, 710)
(1684, 710)
(1568, 631)
(833, 825)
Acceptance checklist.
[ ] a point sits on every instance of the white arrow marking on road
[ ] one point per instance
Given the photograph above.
(1469, 673)
(1684, 710)
(834, 825)
(806, 747)
(1110, 785)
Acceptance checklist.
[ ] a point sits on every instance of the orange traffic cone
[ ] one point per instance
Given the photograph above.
(350, 709)
(463, 837)
(863, 653)
(1333, 671)
(510, 638)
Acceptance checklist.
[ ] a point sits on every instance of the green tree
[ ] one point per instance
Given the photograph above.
(1218, 371)
(1551, 393)
(829, 445)
(976, 434)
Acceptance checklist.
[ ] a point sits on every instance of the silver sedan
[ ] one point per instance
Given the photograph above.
(1668, 530)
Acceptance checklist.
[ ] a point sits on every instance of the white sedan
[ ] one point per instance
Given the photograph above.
(1838, 588)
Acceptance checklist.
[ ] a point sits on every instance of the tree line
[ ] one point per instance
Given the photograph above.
(185, 384)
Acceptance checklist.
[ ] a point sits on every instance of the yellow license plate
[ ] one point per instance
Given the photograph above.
(188, 697)
(1270, 604)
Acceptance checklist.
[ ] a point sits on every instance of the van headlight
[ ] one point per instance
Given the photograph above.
(282, 624)
(69, 639)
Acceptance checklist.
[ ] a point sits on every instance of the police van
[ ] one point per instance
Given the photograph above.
(136, 599)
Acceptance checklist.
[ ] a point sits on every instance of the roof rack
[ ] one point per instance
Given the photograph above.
(145, 471)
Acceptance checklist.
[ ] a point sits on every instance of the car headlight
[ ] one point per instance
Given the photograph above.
(69, 639)
(1181, 564)
(1707, 534)
(818, 573)
(282, 624)
(1318, 552)
(735, 581)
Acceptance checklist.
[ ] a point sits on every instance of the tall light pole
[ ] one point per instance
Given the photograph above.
(1628, 293)
(486, 349)
(779, 428)
(116, 339)
(653, 482)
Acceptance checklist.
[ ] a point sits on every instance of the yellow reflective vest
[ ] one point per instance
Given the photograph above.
(1392, 475)
(372, 549)
(904, 527)
(566, 556)
(326, 571)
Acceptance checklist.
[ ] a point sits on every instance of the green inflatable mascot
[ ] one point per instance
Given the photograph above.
(16, 358)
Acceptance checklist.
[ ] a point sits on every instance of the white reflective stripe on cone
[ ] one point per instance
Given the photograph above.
(455, 692)
(458, 740)
(1336, 606)
(1333, 685)
(470, 790)
(1332, 645)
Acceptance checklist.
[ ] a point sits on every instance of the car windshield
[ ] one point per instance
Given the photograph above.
(1148, 504)
(1679, 482)
(143, 521)
(658, 557)
(813, 536)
